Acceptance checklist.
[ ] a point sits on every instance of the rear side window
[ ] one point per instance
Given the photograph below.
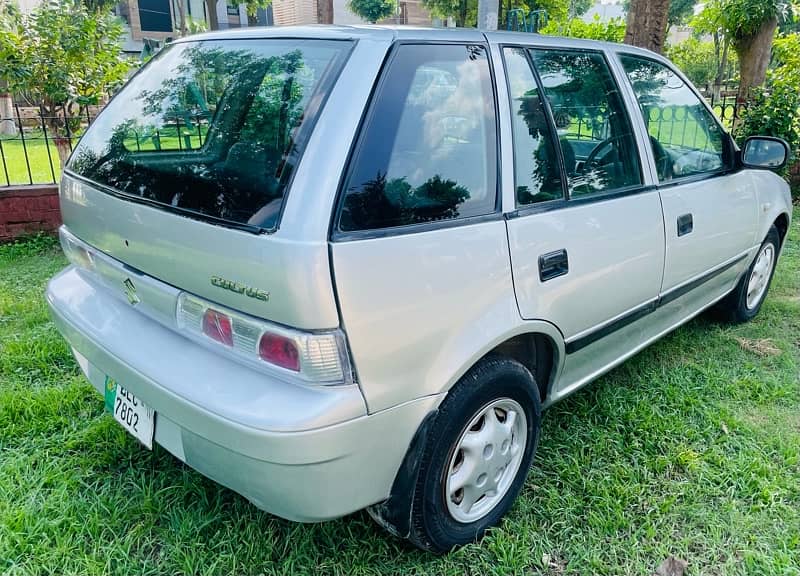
(214, 128)
(537, 173)
(428, 149)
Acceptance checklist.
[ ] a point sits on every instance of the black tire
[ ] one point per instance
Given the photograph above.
(734, 308)
(431, 525)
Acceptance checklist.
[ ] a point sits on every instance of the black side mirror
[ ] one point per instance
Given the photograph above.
(765, 152)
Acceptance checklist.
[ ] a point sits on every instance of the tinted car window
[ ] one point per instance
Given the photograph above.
(599, 148)
(537, 173)
(428, 149)
(215, 128)
(685, 137)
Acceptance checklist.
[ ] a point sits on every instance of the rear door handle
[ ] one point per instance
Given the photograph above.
(685, 224)
(553, 264)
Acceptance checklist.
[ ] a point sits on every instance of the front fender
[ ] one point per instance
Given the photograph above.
(774, 199)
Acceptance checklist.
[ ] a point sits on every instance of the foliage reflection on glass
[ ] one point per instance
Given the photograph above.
(595, 133)
(536, 168)
(685, 137)
(213, 128)
(428, 150)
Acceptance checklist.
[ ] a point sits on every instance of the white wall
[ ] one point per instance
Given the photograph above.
(28, 5)
(342, 15)
(606, 9)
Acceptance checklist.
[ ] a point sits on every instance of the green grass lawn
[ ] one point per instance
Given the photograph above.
(12, 162)
(15, 169)
(692, 449)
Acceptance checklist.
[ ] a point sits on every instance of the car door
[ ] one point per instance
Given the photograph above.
(586, 237)
(419, 245)
(710, 211)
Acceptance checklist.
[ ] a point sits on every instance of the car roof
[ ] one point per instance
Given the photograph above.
(411, 33)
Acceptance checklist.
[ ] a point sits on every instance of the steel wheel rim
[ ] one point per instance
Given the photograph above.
(759, 276)
(485, 460)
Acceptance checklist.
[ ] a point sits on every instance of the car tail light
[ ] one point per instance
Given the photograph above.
(75, 253)
(217, 326)
(313, 357)
(280, 351)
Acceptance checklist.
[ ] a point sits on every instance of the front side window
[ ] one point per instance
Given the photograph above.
(428, 149)
(599, 148)
(685, 137)
(537, 173)
(213, 128)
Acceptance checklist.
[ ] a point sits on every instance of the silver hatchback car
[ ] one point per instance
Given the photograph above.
(345, 268)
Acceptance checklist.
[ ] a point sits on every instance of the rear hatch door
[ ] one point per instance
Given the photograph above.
(183, 176)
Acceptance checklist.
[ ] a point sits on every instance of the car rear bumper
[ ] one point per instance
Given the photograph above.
(300, 452)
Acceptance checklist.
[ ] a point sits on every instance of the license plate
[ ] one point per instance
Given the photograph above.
(133, 414)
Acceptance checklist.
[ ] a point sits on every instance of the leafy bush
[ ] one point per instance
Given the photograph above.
(612, 30)
(28, 245)
(774, 110)
(696, 58)
(373, 10)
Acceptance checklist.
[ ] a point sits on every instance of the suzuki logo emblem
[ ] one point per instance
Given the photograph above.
(130, 292)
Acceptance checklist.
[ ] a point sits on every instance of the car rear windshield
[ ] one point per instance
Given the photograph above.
(213, 128)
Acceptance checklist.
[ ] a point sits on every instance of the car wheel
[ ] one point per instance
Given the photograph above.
(476, 455)
(746, 299)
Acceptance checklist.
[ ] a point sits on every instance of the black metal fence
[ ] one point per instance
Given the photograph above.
(29, 139)
(722, 98)
(29, 142)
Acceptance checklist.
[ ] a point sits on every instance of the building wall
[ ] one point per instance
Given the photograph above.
(293, 12)
(130, 11)
(410, 12)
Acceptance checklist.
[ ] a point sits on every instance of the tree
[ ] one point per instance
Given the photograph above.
(325, 11)
(679, 12)
(703, 61)
(775, 111)
(373, 10)
(465, 12)
(750, 27)
(647, 24)
(708, 22)
(62, 58)
(612, 30)
(579, 7)
(457, 9)
(9, 16)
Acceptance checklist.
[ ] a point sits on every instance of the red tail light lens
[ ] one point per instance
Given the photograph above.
(311, 357)
(280, 351)
(217, 326)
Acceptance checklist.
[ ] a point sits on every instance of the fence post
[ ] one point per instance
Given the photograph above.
(5, 164)
(47, 145)
(24, 146)
(69, 132)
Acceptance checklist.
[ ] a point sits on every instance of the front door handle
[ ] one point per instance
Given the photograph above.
(553, 264)
(685, 224)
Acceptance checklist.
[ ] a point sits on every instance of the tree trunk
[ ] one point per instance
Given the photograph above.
(647, 24)
(181, 17)
(754, 53)
(325, 11)
(7, 125)
(722, 58)
(63, 148)
(211, 14)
